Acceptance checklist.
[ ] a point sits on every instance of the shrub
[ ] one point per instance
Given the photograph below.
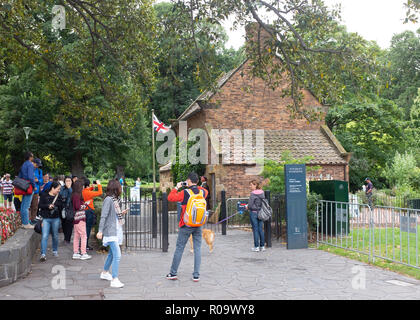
(9, 222)
(312, 200)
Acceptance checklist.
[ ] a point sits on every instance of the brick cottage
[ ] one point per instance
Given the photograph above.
(245, 102)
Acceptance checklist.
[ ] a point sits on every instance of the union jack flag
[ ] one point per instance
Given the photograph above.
(160, 126)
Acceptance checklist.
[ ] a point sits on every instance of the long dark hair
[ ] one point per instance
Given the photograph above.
(78, 188)
(113, 189)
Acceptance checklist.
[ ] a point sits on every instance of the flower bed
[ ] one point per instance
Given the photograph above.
(10, 222)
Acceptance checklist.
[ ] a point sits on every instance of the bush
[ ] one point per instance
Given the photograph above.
(9, 222)
(403, 172)
(312, 200)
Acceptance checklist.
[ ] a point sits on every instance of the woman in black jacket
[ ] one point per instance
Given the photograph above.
(50, 205)
(66, 223)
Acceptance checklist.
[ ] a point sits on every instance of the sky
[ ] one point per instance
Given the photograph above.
(376, 20)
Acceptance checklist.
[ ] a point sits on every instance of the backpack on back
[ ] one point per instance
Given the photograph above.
(266, 211)
(196, 213)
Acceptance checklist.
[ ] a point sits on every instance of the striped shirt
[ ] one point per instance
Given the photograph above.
(7, 186)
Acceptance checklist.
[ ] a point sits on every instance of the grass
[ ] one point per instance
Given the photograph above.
(389, 243)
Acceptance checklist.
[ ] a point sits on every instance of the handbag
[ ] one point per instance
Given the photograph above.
(69, 214)
(38, 225)
(22, 187)
(21, 184)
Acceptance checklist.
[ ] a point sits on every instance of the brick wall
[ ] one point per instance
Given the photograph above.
(332, 172)
(246, 103)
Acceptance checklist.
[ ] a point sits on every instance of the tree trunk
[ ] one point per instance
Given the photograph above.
(17, 161)
(119, 172)
(77, 168)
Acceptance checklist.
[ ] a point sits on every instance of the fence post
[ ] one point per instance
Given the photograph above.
(267, 224)
(223, 211)
(154, 215)
(165, 223)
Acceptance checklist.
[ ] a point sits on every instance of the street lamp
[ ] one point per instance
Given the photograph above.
(27, 130)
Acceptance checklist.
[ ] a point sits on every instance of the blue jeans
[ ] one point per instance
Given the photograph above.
(183, 236)
(114, 257)
(24, 208)
(257, 229)
(49, 225)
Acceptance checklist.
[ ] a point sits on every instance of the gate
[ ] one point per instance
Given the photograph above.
(149, 223)
(143, 228)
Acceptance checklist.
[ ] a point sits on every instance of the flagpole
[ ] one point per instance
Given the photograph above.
(153, 153)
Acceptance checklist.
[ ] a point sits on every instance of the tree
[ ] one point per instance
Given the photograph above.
(300, 46)
(372, 131)
(403, 59)
(179, 79)
(99, 69)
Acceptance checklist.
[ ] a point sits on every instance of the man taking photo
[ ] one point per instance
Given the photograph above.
(193, 216)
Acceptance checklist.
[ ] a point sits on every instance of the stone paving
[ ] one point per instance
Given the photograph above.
(231, 272)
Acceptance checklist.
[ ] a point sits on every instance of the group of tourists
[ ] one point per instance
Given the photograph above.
(68, 202)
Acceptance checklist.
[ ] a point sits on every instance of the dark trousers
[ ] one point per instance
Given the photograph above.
(17, 203)
(67, 229)
(90, 222)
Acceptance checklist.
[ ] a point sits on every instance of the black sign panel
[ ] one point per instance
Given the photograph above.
(297, 221)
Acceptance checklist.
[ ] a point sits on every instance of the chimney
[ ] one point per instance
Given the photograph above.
(256, 36)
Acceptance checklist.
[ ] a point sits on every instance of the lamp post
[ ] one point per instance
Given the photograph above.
(27, 130)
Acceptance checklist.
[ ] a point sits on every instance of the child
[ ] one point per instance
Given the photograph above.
(79, 222)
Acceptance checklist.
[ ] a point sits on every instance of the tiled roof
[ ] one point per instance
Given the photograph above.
(300, 143)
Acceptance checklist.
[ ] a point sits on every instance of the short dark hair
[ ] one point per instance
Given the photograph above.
(113, 189)
(28, 155)
(205, 178)
(193, 177)
(86, 182)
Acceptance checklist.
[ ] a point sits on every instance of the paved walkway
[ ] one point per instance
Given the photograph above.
(232, 271)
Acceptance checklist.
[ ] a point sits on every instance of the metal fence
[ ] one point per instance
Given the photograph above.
(275, 228)
(385, 232)
(143, 223)
(149, 222)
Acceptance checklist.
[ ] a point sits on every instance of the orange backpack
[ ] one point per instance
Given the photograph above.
(195, 213)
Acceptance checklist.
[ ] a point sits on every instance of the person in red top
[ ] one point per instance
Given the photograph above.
(89, 194)
(185, 231)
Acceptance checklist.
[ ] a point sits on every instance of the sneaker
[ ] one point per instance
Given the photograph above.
(27, 226)
(262, 248)
(106, 276)
(85, 257)
(171, 276)
(89, 248)
(256, 249)
(55, 253)
(43, 258)
(76, 256)
(196, 279)
(115, 283)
